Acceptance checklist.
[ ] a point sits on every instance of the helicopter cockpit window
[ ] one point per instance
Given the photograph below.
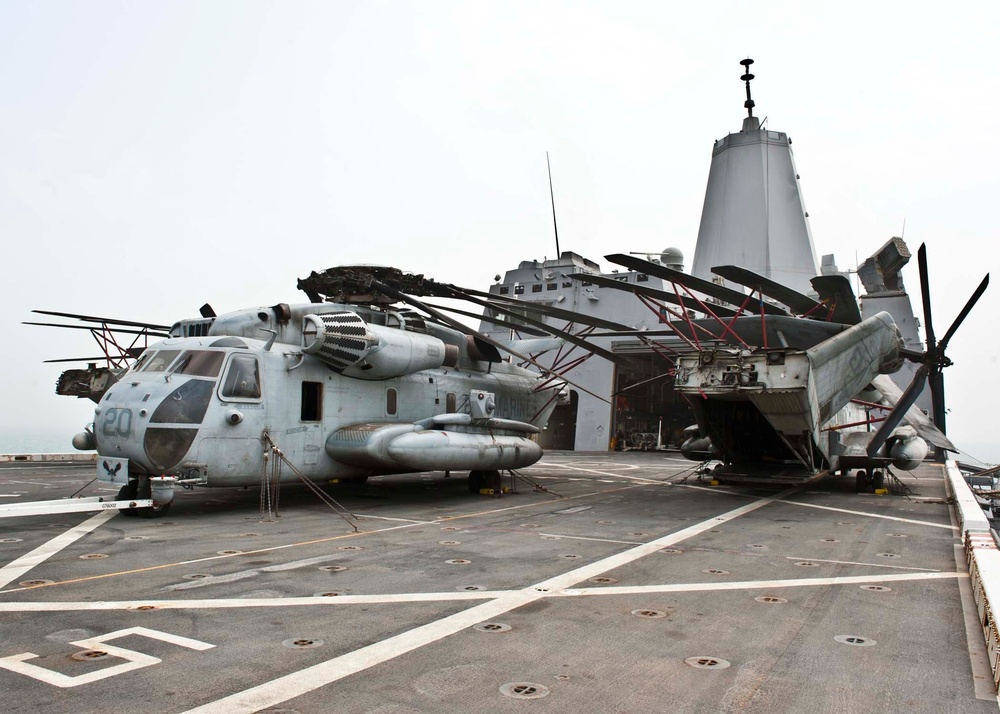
(201, 363)
(242, 379)
(159, 361)
(141, 362)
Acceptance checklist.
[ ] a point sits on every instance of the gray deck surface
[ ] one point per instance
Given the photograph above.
(597, 598)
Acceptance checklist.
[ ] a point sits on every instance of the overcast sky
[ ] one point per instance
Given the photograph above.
(156, 156)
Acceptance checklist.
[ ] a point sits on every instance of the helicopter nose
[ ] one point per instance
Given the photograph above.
(170, 435)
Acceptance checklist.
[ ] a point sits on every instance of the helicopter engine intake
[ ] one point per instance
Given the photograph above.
(361, 350)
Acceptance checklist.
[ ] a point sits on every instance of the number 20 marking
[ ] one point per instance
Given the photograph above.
(117, 422)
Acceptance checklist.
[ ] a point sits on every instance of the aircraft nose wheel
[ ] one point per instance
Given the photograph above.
(144, 489)
(128, 492)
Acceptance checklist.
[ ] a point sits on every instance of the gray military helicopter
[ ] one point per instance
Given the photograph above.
(347, 386)
(780, 398)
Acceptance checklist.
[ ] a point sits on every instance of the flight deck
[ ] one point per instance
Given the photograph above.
(623, 584)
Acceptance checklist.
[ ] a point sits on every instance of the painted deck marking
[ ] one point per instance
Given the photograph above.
(870, 565)
(133, 660)
(873, 515)
(17, 568)
(306, 680)
(400, 598)
(758, 584)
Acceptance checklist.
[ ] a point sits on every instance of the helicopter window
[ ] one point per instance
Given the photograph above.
(312, 401)
(242, 379)
(185, 405)
(139, 363)
(201, 363)
(229, 342)
(390, 402)
(450, 403)
(159, 361)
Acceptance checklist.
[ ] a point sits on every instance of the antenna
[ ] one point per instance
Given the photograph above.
(746, 78)
(552, 196)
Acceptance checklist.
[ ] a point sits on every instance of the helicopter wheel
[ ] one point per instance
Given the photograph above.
(476, 481)
(878, 478)
(145, 491)
(128, 492)
(492, 479)
(861, 482)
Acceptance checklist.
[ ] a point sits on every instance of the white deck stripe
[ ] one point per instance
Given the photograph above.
(759, 584)
(871, 565)
(306, 680)
(873, 515)
(397, 598)
(17, 568)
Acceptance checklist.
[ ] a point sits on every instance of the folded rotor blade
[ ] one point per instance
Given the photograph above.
(103, 320)
(94, 328)
(720, 292)
(836, 290)
(465, 329)
(499, 323)
(562, 334)
(454, 291)
(798, 302)
(899, 411)
(654, 293)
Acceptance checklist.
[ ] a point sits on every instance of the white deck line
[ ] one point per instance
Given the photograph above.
(306, 680)
(17, 568)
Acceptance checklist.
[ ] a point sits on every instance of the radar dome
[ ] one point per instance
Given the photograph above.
(672, 258)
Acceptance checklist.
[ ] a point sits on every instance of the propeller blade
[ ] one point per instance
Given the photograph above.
(935, 380)
(965, 312)
(899, 411)
(925, 296)
(466, 330)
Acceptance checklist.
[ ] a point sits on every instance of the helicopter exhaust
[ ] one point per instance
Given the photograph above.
(361, 350)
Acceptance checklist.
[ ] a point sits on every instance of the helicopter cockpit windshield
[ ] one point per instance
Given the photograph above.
(195, 363)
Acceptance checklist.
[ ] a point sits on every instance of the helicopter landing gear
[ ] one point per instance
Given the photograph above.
(479, 480)
(141, 488)
(869, 483)
(128, 492)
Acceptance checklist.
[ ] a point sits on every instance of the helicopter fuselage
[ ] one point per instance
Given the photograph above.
(204, 409)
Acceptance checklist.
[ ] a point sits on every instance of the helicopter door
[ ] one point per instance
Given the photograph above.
(311, 416)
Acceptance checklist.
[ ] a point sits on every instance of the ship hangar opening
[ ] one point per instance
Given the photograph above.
(645, 411)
